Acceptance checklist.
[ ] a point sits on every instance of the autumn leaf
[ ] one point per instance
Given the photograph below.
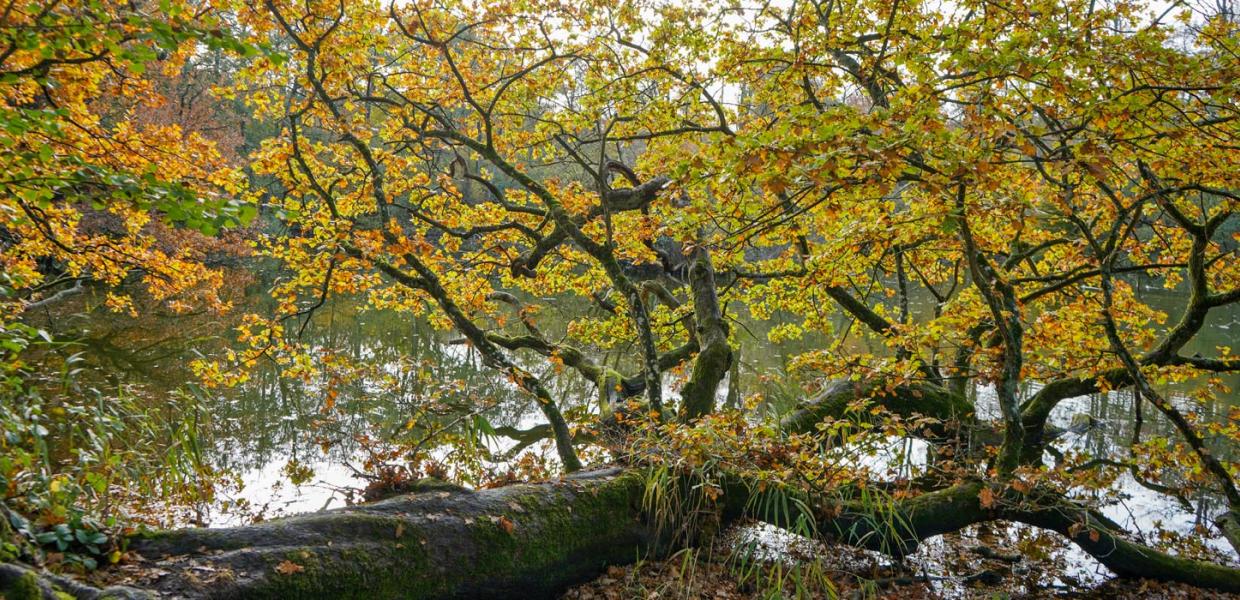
(288, 568)
(986, 498)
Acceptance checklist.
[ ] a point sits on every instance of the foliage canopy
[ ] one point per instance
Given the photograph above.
(979, 188)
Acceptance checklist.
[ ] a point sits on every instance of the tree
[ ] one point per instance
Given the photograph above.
(87, 176)
(95, 192)
(675, 164)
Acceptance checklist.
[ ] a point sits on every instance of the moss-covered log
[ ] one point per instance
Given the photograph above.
(904, 400)
(19, 582)
(1093, 534)
(519, 541)
(533, 541)
(899, 528)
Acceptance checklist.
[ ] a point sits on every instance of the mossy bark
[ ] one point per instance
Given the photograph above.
(519, 541)
(19, 582)
(904, 400)
(610, 385)
(898, 528)
(1229, 523)
(516, 541)
(533, 541)
(1091, 533)
(711, 330)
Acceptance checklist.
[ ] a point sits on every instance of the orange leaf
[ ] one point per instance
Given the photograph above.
(506, 525)
(986, 497)
(289, 567)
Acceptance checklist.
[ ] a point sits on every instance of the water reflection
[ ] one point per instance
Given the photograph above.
(271, 429)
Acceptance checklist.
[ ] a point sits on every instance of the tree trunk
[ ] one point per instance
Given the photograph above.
(713, 361)
(900, 528)
(952, 410)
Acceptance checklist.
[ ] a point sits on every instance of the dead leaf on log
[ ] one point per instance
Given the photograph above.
(289, 568)
(986, 498)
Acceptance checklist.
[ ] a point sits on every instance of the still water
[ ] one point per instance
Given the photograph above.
(296, 446)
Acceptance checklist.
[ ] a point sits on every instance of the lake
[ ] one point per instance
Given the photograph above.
(284, 446)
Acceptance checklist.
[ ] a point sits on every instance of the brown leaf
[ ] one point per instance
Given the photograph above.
(506, 525)
(400, 529)
(986, 497)
(289, 567)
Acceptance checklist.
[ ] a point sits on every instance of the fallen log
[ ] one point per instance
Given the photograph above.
(898, 529)
(952, 414)
(519, 541)
(535, 540)
(904, 400)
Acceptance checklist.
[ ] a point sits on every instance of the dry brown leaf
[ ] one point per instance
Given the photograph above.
(986, 497)
(506, 525)
(289, 567)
